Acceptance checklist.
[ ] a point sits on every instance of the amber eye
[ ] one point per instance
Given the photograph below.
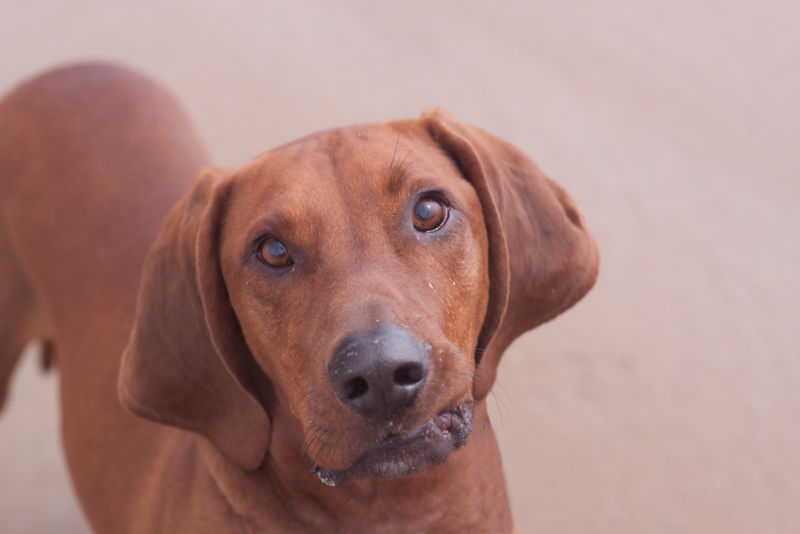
(274, 253)
(429, 214)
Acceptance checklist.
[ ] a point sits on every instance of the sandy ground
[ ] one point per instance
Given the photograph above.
(666, 402)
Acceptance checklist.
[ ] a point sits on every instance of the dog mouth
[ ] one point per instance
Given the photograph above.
(407, 454)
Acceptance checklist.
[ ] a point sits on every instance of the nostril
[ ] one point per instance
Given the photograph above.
(408, 375)
(354, 388)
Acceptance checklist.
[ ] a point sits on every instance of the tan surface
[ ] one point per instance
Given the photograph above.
(669, 400)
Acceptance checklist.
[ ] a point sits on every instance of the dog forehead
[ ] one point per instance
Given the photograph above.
(346, 168)
(348, 155)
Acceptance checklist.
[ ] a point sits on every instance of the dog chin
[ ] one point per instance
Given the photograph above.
(407, 454)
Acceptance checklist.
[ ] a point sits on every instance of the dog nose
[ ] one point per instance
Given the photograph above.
(379, 373)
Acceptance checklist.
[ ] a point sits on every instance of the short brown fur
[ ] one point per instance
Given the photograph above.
(181, 323)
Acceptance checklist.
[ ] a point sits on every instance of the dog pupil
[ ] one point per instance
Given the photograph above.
(276, 249)
(426, 210)
(429, 213)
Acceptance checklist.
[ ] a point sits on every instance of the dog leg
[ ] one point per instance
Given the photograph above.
(21, 319)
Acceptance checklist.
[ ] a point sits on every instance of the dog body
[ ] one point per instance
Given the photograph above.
(315, 331)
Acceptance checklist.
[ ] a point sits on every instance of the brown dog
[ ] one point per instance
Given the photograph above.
(316, 331)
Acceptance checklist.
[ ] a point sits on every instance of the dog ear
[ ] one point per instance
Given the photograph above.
(542, 258)
(187, 363)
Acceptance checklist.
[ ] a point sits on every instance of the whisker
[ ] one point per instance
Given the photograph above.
(394, 153)
(402, 162)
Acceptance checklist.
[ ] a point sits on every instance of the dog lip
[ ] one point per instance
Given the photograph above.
(455, 424)
(430, 444)
(441, 423)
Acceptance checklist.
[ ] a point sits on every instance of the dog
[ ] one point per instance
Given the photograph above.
(302, 344)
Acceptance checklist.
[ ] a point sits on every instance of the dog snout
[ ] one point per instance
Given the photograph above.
(378, 373)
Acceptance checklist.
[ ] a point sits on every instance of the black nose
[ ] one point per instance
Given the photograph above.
(380, 372)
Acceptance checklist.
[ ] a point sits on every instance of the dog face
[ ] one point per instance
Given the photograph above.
(353, 277)
(356, 264)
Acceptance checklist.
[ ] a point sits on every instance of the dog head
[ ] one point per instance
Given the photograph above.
(367, 279)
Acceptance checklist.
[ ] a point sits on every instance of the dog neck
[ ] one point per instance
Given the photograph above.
(465, 494)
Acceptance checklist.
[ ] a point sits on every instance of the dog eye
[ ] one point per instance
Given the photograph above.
(274, 253)
(429, 214)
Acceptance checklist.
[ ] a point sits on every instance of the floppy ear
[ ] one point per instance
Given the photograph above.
(542, 258)
(186, 363)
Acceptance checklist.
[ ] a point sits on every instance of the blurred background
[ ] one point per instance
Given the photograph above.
(668, 401)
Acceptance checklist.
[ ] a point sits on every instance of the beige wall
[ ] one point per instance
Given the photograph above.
(669, 400)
